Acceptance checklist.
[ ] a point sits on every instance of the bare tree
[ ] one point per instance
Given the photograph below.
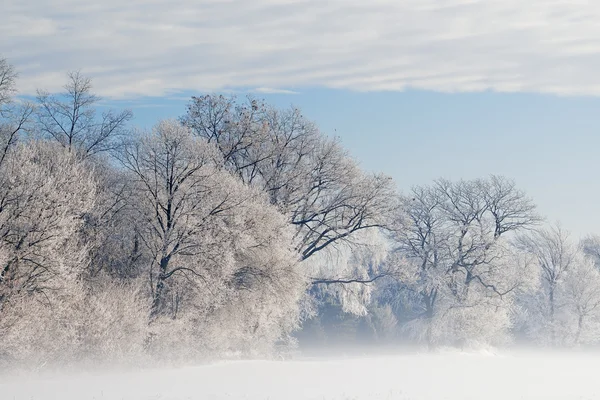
(452, 235)
(8, 77)
(71, 118)
(556, 256)
(480, 212)
(14, 118)
(590, 246)
(581, 293)
(308, 176)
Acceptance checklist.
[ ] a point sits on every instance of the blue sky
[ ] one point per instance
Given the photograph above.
(418, 89)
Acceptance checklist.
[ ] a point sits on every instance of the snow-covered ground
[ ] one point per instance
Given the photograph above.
(453, 376)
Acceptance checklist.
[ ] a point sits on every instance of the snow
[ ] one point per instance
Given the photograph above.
(452, 376)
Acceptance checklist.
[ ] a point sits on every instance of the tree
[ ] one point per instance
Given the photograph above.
(111, 228)
(590, 246)
(581, 294)
(309, 177)
(44, 195)
(210, 236)
(8, 76)
(13, 117)
(452, 236)
(70, 118)
(556, 256)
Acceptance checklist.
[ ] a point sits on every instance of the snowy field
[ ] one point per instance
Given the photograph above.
(449, 376)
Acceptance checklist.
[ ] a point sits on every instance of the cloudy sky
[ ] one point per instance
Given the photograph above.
(416, 88)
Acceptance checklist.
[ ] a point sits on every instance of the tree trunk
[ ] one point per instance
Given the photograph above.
(579, 328)
(429, 304)
(552, 325)
(157, 302)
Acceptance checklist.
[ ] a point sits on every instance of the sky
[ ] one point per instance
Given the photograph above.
(416, 89)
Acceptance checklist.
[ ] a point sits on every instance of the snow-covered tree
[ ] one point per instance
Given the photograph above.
(457, 264)
(44, 195)
(564, 310)
(581, 296)
(556, 255)
(590, 246)
(14, 117)
(221, 256)
(308, 176)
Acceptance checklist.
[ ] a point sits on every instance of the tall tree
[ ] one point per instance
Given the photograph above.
(308, 176)
(205, 230)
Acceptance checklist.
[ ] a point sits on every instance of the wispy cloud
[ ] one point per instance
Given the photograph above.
(273, 91)
(157, 47)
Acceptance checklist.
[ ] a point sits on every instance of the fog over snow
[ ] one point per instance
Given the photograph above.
(460, 376)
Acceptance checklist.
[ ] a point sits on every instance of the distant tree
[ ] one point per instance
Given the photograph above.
(8, 76)
(581, 295)
(450, 239)
(14, 117)
(590, 246)
(71, 119)
(556, 256)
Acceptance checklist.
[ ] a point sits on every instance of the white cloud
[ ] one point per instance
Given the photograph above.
(159, 47)
(273, 91)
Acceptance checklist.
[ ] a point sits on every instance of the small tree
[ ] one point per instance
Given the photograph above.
(556, 255)
(581, 295)
(14, 118)
(70, 118)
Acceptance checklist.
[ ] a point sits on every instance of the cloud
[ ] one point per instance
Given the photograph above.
(160, 47)
(273, 91)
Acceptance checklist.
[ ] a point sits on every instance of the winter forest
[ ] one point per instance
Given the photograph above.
(240, 230)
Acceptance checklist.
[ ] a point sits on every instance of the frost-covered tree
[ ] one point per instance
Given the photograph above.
(44, 195)
(564, 310)
(556, 255)
(14, 117)
(581, 296)
(590, 246)
(111, 228)
(7, 82)
(215, 243)
(308, 176)
(80, 322)
(71, 118)
(457, 264)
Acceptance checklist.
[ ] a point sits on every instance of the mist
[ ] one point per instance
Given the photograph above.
(434, 376)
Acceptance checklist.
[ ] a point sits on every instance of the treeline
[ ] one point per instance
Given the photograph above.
(239, 228)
